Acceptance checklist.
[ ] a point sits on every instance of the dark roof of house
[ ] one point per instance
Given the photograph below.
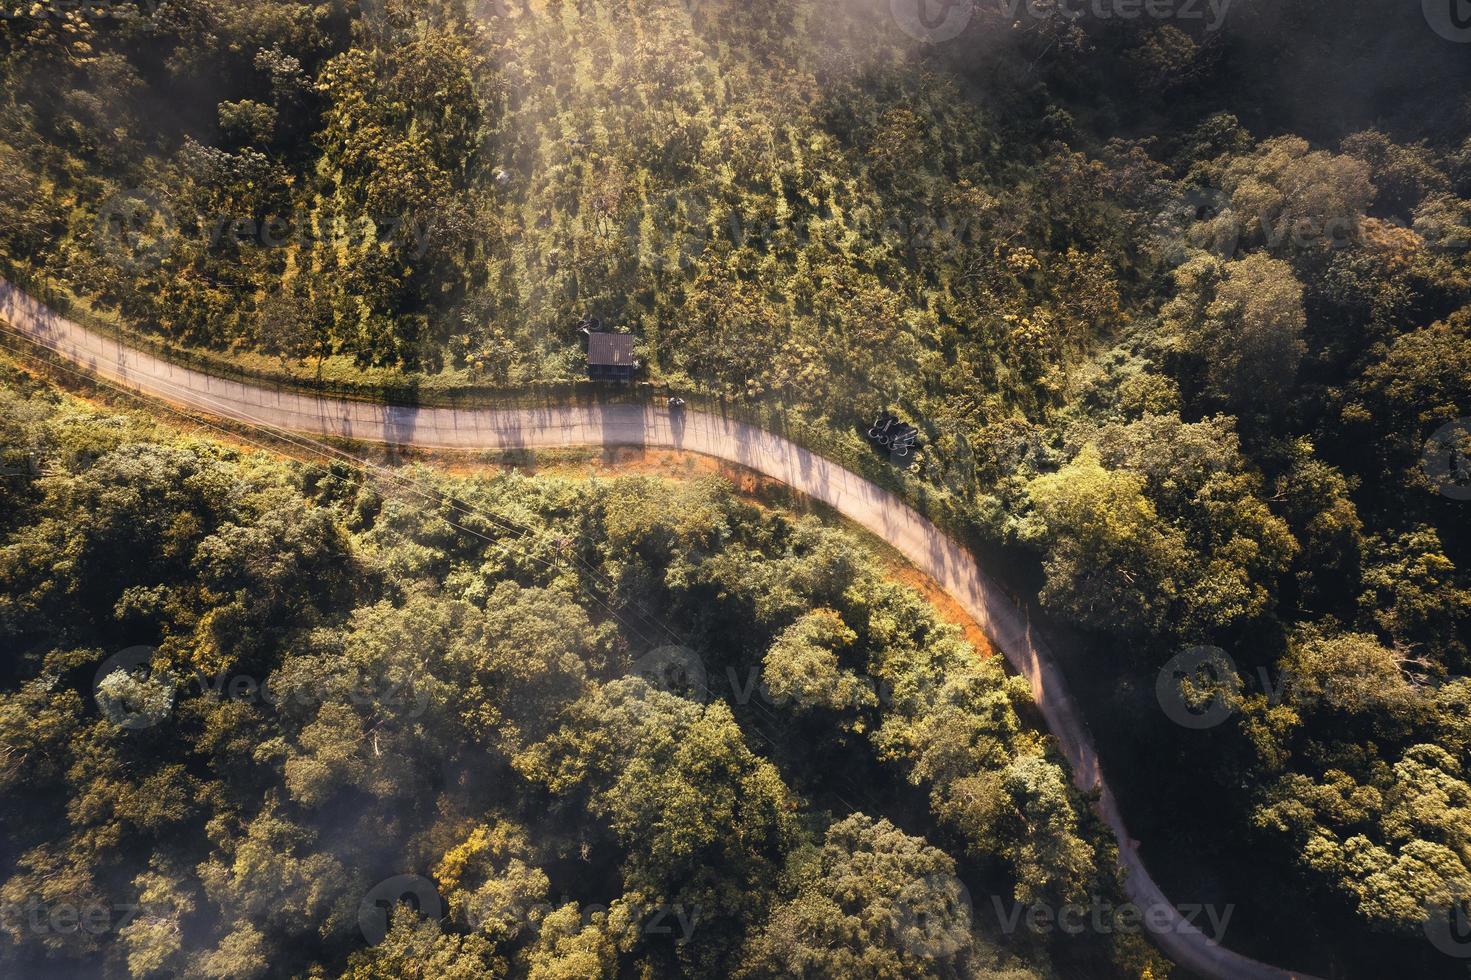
(613, 349)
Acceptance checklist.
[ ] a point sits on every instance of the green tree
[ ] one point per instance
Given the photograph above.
(703, 820)
(1112, 562)
(1241, 322)
(873, 902)
(248, 122)
(802, 668)
(416, 946)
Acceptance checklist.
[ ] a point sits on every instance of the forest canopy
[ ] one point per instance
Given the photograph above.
(1181, 314)
(246, 692)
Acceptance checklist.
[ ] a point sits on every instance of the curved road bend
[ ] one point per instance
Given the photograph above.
(635, 425)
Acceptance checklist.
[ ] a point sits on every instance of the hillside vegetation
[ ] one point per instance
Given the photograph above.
(1181, 315)
(616, 739)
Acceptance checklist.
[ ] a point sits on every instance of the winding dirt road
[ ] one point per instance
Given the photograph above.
(635, 425)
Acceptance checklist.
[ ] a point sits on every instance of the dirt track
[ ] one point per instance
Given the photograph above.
(618, 425)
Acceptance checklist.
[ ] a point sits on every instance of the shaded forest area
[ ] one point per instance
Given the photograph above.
(621, 728)
(1176, 311)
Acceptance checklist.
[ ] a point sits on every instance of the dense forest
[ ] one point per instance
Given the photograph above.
(612, 739)
(1181, 309)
